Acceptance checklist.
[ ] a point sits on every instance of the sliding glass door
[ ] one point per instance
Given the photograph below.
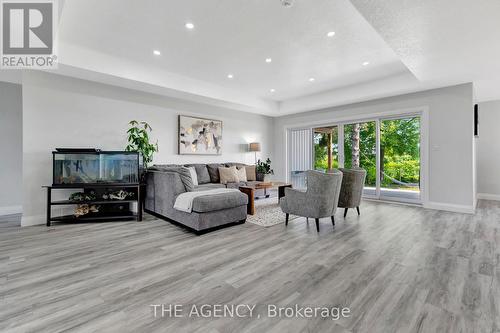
(389, 149)
(400, 158)
(360, 151)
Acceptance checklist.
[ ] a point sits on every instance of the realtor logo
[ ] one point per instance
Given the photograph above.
(28, 30)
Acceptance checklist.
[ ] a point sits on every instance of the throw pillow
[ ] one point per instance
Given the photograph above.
(182, 171)
(242, 174)
(194, 176)
(201, 172)
(213, 171)
(251, 173)
(228, 175)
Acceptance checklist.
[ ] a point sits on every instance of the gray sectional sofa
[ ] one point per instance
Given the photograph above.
(166, 182)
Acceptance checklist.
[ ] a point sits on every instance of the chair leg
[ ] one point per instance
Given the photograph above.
(333, 221)
(317, 224)
(357, 208)
(286, 220)
(345, 212)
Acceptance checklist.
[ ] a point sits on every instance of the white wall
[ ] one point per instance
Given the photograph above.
(10, 148)
(488, 151)
(450, 140)
(66, 112)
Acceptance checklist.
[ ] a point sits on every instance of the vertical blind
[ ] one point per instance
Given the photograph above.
(300, 143)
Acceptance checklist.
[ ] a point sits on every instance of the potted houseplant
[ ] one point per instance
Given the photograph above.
(263, 170)
(138, 140)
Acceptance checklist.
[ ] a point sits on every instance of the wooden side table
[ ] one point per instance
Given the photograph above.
(250, 192)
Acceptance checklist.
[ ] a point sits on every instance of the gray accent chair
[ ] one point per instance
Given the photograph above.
(352, 188)
(318, 201)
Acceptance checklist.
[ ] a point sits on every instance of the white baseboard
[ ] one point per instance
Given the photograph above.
(402, 203)
(488, 196)
(450, 207)
(11, 210)
(27, 221)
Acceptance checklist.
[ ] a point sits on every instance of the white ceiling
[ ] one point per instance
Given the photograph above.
(411, 46)
(442, 41)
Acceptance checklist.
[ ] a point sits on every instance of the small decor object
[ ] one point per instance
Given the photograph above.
(139, 141)
(263, 169)
(117, 195)
(198, 136)
(81, 196)
(85, 209)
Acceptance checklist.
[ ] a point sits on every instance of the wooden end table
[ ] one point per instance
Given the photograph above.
(249, 190)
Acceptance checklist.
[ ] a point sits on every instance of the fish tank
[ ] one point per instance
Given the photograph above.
(93, 166)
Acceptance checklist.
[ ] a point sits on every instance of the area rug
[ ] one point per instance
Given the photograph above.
(268, 213)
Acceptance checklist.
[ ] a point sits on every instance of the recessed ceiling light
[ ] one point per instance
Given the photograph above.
(230, 76)
(189, 25)
(156, 52)
(268, 60)
(331, 34)
(366, 63)
(311, 79)
(272, 90)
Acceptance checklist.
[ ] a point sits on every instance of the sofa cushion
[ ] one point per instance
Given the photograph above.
(228, 175)
(201, 172)
(209, 186)
(251, 172)
(182, 171)
(237, 165)
(236, 185)
(213, 172)
(161, 166)
(221, 201)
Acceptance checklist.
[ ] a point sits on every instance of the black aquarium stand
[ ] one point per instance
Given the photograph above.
(100, 216)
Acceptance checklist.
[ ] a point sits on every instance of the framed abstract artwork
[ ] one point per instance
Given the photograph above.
(199, 136)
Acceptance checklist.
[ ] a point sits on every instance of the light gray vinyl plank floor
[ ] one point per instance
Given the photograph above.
(398, 269)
